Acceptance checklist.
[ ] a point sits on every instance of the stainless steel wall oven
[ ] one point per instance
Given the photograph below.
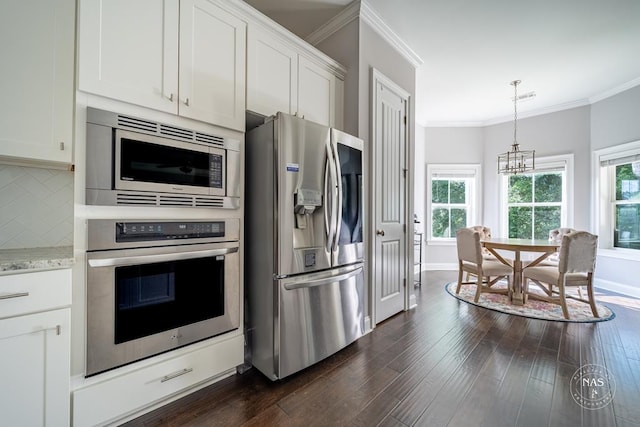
(153, 286)
(132, 161)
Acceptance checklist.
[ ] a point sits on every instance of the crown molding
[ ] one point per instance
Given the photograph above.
(371, 17)
(350, 13)
(616, 90)
(361, 9)
(252, 16)
(504, 119)
(434, 124)
(539, 112)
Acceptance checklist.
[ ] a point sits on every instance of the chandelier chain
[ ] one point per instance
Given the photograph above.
(515, 112)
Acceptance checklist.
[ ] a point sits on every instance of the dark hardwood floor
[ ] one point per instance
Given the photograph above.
(443, 363)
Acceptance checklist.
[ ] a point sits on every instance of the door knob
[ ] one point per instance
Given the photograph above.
(380, 232)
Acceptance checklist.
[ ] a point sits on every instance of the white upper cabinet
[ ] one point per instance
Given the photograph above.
(128, 50)
(316, 92)
(37, 51)
(281, 77)
(183, 57)
(272, 79)
(212, 64)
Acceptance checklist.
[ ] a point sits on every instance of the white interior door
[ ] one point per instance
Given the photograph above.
(389, 196)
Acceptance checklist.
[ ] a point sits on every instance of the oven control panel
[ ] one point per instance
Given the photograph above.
(146, 231)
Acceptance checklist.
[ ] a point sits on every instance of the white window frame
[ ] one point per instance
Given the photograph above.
(550, 163)
(472, 171)
(603, 201)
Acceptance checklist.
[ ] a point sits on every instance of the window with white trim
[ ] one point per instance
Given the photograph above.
(453, 199)
(536, 202)
(619, 189)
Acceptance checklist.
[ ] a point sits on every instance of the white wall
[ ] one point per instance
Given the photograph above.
(615, 121)
(563, 132)
(443, 145)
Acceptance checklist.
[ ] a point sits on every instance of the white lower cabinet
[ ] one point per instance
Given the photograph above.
(111, 397)
(35, 349)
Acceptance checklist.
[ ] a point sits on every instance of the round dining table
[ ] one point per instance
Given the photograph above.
(517, 246)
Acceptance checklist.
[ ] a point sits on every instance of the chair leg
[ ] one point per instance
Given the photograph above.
(459, 278)
(478, 288)
(525, 290)
(563, 301)
(592, 300)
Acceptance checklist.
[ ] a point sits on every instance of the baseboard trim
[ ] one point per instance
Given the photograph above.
(620, 288)
(440, 266)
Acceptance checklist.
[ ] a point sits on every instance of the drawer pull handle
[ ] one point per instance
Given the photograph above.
(176, 374)
(16, 295)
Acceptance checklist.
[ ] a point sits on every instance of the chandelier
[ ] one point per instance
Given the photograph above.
(516, 161)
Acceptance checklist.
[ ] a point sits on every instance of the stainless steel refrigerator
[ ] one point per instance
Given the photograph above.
(304, 248)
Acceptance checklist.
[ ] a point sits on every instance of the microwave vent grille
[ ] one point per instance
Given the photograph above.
(175, 200)
(137, 124)
(136, 199)
(209, 139)
(177, 133)
(141, 199)
(174, 132)
(209, 202)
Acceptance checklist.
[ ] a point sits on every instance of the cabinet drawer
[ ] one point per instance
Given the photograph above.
(33, 292)
(132, 392)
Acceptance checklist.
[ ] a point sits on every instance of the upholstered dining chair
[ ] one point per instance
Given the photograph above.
(555, 236)
(470, 260)
(575, 268)
(485, 233)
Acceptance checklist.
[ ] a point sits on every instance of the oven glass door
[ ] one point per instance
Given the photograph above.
(152, 298)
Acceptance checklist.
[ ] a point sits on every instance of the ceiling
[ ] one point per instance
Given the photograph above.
(569, 52)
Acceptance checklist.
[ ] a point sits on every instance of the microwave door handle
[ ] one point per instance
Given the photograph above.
(303, 284)
(150, 259)
(338, 216)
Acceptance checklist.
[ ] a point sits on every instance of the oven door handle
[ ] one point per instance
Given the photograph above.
(150, 259)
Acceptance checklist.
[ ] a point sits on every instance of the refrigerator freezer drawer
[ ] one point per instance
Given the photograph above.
(318, 316)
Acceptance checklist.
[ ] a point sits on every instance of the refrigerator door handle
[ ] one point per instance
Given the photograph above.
(303, 284)
(330, 197)
(327, 202)
(338, 216)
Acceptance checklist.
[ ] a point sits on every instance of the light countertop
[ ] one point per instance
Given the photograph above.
(20, 260)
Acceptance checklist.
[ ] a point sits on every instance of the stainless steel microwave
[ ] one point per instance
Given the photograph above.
(138, 162)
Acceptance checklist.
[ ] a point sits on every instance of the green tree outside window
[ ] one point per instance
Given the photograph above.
(448, 207)
(534, 204)
(627, 206)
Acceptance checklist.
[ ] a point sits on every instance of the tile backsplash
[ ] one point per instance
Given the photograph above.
(36, 207)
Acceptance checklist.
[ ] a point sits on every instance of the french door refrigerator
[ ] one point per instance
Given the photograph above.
(304, 243)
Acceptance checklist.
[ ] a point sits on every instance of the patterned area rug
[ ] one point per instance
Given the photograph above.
(578, 311)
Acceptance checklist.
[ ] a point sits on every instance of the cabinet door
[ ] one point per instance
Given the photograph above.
(128, 50)
(272, 75)
(212, 64)
(316, 92)
(37, 51)
(35, 369)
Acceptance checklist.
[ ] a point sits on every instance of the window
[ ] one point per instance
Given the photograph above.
(618, 185)
(536, 202)
(453, 200)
